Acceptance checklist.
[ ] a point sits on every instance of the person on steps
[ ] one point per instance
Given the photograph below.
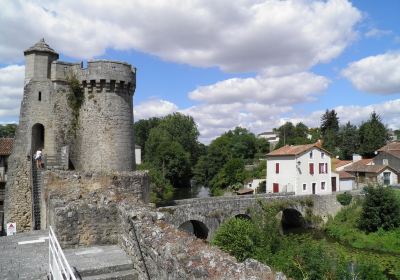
(38, 159)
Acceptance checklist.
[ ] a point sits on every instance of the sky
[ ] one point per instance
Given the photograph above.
(249, 63)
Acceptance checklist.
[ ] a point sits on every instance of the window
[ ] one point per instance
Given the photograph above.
(304, 187)
(322, 155)
(326, 168)
(321, 168)
(40, 96)
(311, 168)
(385, 161)
(322, 186)
(277, 168)
(311, 154)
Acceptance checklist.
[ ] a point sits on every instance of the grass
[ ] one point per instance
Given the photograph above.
(344, 229)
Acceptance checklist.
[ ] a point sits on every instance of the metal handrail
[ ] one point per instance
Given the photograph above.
(59, 268)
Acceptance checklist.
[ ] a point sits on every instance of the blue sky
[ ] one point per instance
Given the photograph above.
(255, 64)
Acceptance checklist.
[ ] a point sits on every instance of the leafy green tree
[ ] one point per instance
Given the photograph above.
(183, 130)
(142, 129)
(329, 130)
(7, 130)
(381, 209)
(231, 173)
(349, 141)
(290, 134)
(160, 188)
(234, 144)
(373, 135)
(168, 156)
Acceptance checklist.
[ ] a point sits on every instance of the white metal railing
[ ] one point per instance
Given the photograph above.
(59, 269)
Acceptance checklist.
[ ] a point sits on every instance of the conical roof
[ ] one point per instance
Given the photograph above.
(40, 46)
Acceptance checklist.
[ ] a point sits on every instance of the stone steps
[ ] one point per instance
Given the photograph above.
(117, 275)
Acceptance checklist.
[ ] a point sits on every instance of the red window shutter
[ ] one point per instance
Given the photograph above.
(277, 168)
(311, 168)
(326, 168)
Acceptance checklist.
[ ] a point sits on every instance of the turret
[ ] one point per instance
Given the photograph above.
(38, 59)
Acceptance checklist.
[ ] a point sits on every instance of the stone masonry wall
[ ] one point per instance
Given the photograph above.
(160, 251)
(82, 207)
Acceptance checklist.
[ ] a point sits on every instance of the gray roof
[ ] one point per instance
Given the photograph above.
(40, 46)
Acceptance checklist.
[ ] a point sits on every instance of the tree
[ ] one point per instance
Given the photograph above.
(373, 135)
(231, 173)
(349, 141)
(7, 130)
(169, 157)
(142, 129)
(329, 130)
(290, 134)
(381, 209)
(183, 130)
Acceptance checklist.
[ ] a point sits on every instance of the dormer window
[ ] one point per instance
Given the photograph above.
(40, 96)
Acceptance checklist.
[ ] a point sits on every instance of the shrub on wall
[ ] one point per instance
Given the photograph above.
(344, 198)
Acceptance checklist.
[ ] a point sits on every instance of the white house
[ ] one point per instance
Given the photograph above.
(271, 137)
(302, 169)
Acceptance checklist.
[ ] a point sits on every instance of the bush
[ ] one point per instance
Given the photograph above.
(237, 237)
(381, 209)
(344, 198)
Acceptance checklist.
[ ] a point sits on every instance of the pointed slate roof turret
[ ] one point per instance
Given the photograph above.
(42, 47)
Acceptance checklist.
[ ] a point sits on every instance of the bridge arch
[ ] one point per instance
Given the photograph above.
(292, 219)
(195, 227)
(243, 216)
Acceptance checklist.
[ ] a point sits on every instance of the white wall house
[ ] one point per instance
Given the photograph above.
(302, 169)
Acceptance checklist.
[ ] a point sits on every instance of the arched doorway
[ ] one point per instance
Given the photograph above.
(243, 216)
(37, 137)
(196, 228)
(292, 221)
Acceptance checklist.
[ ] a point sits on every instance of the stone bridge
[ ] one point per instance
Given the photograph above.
(203, 216)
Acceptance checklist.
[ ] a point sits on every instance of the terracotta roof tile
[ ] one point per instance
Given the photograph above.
(359, 167)
(294, 150)
(345, 175)
(340, 163)
(6, 145)
(392, 146)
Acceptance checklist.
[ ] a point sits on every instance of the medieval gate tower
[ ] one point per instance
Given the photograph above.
(80, 117)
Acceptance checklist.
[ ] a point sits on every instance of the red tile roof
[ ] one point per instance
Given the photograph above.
(345, 175)
(340, 163)
(392, 146)
(294, 150)
(6, 145)
(360, 167)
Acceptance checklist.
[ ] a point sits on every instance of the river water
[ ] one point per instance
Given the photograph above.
(191, 192)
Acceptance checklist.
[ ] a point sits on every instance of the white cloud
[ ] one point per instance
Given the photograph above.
(282, 90)
(388, 110)
(11, 90)
(241, 35)
(154, 108)
(378, 74)
(377, 33)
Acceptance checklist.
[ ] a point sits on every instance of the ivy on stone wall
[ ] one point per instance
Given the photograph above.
(75, 100)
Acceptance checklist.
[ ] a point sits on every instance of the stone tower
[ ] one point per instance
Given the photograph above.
(84, 112)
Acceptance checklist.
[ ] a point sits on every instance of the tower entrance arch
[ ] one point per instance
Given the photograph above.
(37, 137)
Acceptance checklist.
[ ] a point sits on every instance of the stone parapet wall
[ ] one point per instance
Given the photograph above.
(160, 251)
(82, 207)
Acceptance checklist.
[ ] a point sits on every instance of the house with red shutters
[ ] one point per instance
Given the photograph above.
(301, 169)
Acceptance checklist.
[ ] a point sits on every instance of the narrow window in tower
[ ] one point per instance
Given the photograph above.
(40, 96)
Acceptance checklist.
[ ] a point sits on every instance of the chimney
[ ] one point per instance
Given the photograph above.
(356, 157)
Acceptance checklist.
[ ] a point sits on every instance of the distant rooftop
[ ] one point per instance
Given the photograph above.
(40, 46)
(294, 150)
(6, 145)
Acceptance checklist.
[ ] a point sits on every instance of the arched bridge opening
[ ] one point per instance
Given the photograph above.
(196, 228)
(292, 221)
(243, 216)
